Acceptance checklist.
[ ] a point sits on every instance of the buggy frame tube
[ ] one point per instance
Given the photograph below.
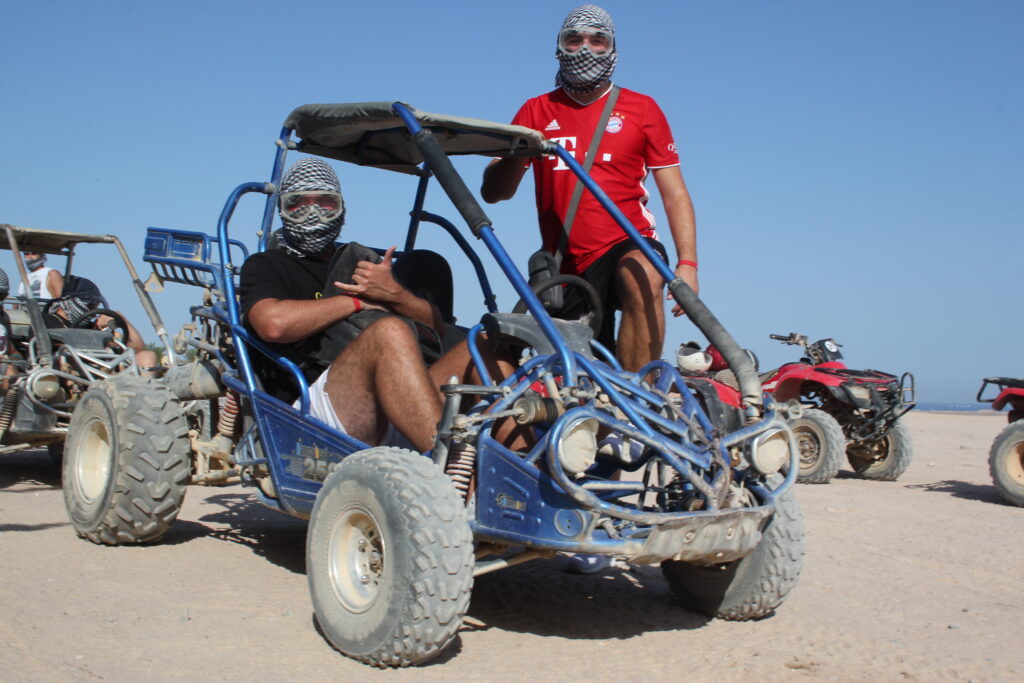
(275, 180)
(489, 300)
(226, 268)
(35, 316)
(699, 314)
(416, 215)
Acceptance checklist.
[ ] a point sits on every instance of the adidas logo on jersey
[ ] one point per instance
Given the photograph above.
(553, 125)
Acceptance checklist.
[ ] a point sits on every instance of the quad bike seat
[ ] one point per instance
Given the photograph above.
(1006, 382)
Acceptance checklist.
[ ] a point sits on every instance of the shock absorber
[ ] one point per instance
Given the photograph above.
(227, 424)
(461, 466)
(7, 410)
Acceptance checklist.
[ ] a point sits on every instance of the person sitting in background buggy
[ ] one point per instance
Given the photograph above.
(45, 282)
(80, 297)
(368, 378)
(7, 351)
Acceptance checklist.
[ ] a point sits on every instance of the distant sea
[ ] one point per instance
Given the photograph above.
(969, 407)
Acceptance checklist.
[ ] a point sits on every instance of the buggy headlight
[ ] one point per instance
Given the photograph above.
(770, 451)
(44, 385)
(578, 446)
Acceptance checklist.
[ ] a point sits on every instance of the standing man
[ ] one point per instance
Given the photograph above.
(636, 140)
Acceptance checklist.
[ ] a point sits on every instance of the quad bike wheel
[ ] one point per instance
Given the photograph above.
(821, 443)
(126, 462)
(750, 587)
(389, 556)
(883, 459)
(1006, 463)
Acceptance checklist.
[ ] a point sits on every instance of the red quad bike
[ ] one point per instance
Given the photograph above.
(1006, 457)
(856, 411)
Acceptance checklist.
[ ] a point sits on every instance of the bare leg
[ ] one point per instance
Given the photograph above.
(381, 377)
(642, 328)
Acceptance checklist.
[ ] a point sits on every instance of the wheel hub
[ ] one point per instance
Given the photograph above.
(355, 559)
(810, 448)
(95, 461)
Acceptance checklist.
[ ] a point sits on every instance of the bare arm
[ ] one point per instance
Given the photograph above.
(55, 284)
(284, 321)
(502, 178)
(682, 224)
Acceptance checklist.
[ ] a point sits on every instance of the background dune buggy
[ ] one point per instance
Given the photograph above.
(55, 367)
(1006, 456)
(396, 537)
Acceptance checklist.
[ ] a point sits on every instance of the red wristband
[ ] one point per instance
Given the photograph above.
(687, 262)
(357, 303)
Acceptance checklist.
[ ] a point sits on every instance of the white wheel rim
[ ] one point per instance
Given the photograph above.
(1015, 462)
(355, 559)
(94, 460)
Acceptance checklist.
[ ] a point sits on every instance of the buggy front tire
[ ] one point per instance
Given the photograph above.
(884, 459)
(126, 462)
(821, 443)
(1006, 463)
(753, 586)
(389, 558)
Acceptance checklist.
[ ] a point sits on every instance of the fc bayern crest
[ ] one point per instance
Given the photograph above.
(614, 124)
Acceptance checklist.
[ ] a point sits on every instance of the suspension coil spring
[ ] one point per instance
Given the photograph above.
(7, 410)
(228, 422)
(461, 466)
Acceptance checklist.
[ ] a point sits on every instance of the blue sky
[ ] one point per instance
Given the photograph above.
(856, 167)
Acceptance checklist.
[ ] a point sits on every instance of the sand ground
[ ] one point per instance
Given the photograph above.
(905, 580)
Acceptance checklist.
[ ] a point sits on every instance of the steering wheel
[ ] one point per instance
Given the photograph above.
(593, 318)
(116, 324)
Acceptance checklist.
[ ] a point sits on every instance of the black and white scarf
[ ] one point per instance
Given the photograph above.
(583, 71)
(311, 235)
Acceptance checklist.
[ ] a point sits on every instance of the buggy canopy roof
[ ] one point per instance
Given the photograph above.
(47, 241)
(371, 134)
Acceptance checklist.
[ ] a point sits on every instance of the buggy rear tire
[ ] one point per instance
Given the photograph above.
(821, 443)
(884, 459)
(126, 462)
(1006, 463)
(753, 586)
(389, 557)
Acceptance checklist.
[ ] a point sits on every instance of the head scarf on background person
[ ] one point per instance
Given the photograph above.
(311, 235)
(80, 295)
(5, 284)
(583, 71)
(35, 263)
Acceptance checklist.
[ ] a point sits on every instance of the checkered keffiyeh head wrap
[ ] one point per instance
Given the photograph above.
(79, 296)
(35, 263)
(5, 284)
(312, 235)
(583, 71)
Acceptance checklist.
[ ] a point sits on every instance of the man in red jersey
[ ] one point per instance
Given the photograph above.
(636, 140)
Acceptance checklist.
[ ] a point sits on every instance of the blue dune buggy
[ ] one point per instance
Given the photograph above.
(397, 537)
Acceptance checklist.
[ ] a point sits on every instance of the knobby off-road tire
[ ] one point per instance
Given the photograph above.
(885, 459)
(1006, 463)
(750, 587)
(126, 462)
(821, 443)
(389, 557)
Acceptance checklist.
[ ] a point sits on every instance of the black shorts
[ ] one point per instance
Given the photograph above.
(601, 274)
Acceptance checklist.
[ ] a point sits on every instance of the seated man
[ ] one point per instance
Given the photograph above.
(45, 282)
(374, 385)
(81, 295)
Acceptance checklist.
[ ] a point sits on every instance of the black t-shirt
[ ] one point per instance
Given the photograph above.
(279, 275)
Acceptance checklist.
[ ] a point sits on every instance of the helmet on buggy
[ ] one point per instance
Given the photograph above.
(691, 360)
(79, 296)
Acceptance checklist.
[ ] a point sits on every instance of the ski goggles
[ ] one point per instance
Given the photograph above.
(297, 206)
(572, 41)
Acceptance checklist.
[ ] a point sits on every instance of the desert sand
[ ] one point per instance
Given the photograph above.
(916, 579)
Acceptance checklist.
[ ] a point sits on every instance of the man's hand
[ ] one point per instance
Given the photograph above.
(689, 275)
(374, 283)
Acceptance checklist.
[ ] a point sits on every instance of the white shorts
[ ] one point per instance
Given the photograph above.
(321, 408)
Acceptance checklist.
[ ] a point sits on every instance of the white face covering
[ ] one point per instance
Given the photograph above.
(583, 69)
(313, 227)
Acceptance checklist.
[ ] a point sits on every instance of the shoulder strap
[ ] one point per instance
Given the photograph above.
(577, 190)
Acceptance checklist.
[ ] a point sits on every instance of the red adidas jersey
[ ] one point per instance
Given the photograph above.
(637, 138)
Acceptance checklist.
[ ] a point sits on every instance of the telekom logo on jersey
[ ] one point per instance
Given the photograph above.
(570, 146)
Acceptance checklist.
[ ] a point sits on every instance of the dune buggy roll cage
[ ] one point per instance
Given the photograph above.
(396, 137)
